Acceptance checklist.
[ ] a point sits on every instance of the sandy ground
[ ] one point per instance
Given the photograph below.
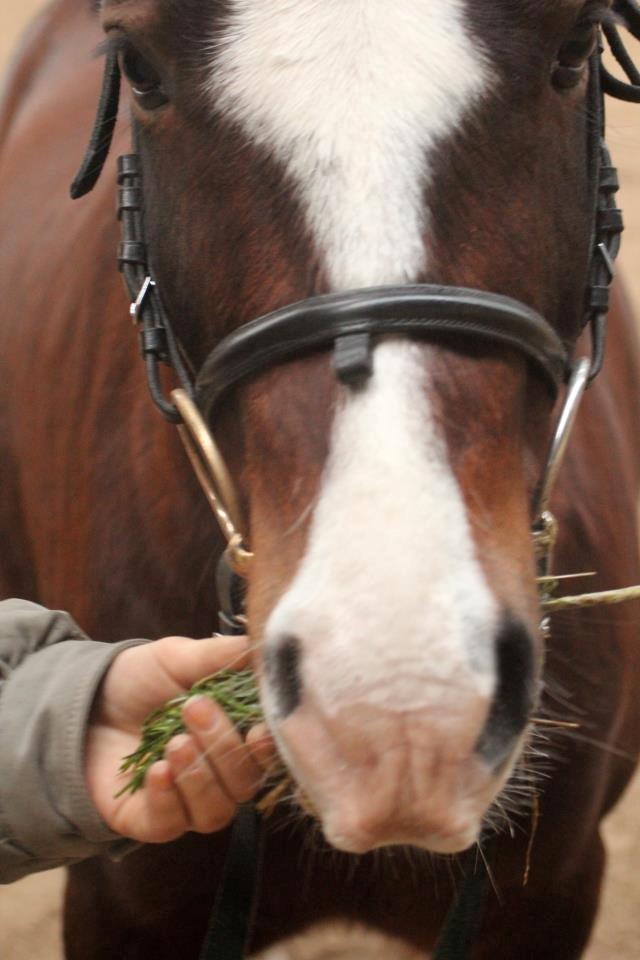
(29, 911)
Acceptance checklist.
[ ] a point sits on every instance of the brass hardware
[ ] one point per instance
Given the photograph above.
(545, 528)
(215, 479)
(545, 534)
(238, 557)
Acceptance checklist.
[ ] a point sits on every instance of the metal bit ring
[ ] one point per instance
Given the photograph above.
(214, 478)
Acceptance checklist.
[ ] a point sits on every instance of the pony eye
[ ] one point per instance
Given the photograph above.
(146, 84)
(573, 57)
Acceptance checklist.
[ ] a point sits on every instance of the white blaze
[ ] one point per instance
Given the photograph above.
(389, 600)
(353, 98)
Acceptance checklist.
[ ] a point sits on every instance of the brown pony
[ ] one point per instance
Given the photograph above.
(291, 150)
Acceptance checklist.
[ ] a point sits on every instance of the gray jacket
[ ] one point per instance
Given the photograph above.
(49, 674)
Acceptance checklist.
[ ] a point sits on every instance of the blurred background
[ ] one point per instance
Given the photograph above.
(29, 911)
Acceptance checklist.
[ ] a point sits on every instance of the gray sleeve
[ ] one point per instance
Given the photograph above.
(49, 675)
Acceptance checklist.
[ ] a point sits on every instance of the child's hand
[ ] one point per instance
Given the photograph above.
(207, 771)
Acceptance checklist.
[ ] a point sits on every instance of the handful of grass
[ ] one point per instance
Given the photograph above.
(234, 690)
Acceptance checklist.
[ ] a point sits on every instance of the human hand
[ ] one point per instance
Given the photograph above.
(206, 772)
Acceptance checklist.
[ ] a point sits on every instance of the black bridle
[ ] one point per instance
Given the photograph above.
(349, 323)
(344, 320)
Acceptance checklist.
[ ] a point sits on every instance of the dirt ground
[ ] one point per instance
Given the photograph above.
(29, 911)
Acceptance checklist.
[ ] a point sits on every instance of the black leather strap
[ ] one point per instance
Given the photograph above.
(419, 311)
(232, 919)
(353, 356)
(465, 917)
(230, 590)
(158, 343)
(352, 359)
(629, 10)
(103, 128)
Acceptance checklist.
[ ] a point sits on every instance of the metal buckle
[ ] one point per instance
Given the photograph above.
(609, 262)
(135, 310)
(214, 478)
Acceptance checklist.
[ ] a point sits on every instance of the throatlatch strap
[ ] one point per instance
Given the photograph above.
(232, 920)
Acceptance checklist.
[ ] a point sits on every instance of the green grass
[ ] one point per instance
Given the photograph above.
(234, 690)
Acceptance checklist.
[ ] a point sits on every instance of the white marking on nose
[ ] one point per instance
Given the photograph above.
(390, 602)
(354, 97)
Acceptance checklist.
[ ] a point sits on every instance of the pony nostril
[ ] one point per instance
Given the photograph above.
(514, 695)
(283, 673)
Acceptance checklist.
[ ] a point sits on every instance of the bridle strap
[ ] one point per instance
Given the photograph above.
(158, 342)
(233, 914)
(103, 129)
(416, 311)
(629, 91)
(465, 916)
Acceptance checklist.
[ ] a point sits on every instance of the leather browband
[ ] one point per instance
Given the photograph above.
(420, 311)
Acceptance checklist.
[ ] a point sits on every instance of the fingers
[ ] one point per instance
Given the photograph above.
(204, 777)
(210, 769)
(206, 774)
(163, 817)
(207, 806)
(221, 744)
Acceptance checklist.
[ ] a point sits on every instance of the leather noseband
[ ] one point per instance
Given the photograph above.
(352, 319)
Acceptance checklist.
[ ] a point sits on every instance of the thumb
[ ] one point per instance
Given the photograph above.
(186, 661)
